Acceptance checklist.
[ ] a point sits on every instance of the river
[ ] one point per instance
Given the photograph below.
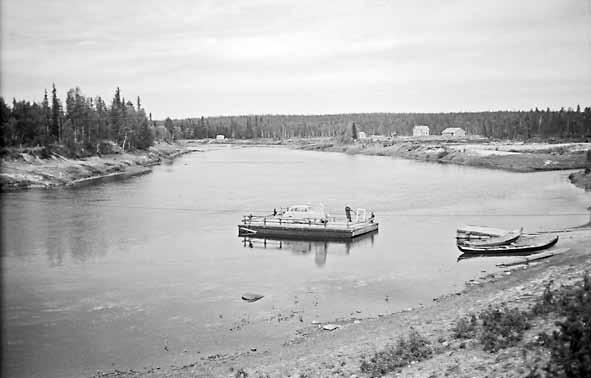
(148, 272)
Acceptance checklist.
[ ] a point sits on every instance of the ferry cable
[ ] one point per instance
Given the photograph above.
(400, 214)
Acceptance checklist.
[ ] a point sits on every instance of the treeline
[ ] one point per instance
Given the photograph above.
(81, 127)
(574, 124)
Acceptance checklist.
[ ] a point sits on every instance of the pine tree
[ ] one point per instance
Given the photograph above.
(354, 131)
(169, 125)
(46, 117)
(145, 136)
(55, 114)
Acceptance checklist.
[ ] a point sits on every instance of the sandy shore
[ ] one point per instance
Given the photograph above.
(27, 170)
(314, 352)
(506, 155)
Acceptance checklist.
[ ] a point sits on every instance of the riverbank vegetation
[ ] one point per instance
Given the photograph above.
(85, 126)
(535, 124)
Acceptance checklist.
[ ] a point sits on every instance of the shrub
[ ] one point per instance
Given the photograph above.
(466, 327)
(502, 327)
(546, 303)
(570, 346)
(396, 356)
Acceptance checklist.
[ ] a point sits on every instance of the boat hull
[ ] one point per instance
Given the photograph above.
(508, 238)
(306, 231)
(535, 245)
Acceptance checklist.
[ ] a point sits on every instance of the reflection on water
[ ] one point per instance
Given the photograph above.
(467, 256)
(320, 249)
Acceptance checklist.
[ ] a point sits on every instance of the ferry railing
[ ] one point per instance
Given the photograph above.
(279, 220)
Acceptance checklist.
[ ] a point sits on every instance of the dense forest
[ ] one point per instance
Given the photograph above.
(80, 127)
(87, 122)
(571, 124)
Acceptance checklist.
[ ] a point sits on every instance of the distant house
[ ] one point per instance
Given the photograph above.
(220, 137)
(378, 138)
(453, 132)
(420, 130)
(361, 135)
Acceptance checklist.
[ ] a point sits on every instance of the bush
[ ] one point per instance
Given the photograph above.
(502, 327)
(495, 328)
(466, 327)
(570, 346)
(396, 356)
(546, 303)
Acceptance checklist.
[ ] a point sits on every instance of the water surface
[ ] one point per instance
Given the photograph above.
(149, 272)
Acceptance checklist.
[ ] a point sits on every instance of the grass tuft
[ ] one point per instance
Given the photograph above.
(415, 348)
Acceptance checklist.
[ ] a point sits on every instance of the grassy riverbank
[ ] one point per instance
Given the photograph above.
(438, 339)
(506, 155)
(34, 168)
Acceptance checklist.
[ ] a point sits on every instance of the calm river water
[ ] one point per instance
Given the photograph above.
(149, 272)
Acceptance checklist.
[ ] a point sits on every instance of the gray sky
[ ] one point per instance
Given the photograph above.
(191, 58)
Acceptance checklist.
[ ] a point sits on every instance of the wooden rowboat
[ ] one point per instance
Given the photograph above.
(507, 238)
(527, 243)
(477, 232)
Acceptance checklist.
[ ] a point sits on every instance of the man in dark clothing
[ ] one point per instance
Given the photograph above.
(348, 213)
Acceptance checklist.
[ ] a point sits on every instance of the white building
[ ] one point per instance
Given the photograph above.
(378, 138)
(453, 132)
(220, 137)
(420, 130)
(361, 135)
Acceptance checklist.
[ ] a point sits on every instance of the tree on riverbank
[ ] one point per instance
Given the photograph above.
(563, 124)
(85, 122)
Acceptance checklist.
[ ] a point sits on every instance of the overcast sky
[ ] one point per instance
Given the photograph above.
(193, 58)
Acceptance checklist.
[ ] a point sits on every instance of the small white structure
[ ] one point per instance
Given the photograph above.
(420, 130)
(378, 138)
(220, 137)
(361, 135)
(453, 132)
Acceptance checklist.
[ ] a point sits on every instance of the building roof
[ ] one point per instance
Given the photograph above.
(421, 127)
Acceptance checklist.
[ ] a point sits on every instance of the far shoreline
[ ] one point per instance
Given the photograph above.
(28, 171)
(505, 155)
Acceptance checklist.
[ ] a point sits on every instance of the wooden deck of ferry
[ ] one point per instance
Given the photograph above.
(333, 229)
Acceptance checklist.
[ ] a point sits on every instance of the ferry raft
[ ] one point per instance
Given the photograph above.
(302, 222)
